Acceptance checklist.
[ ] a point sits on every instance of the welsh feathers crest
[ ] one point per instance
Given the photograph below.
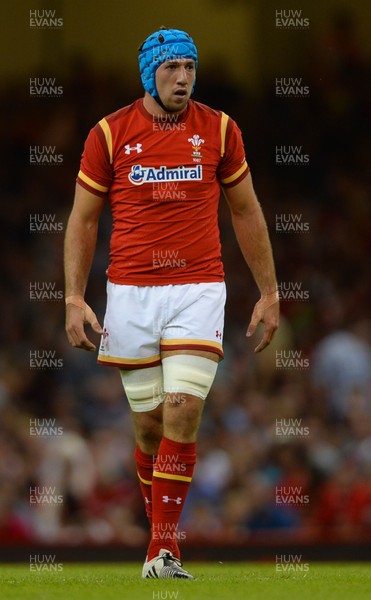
(196, 142)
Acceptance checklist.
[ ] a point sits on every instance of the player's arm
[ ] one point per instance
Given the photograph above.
(79, 248)
(252, 234)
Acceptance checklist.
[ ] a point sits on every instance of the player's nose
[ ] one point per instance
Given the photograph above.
(182, 75)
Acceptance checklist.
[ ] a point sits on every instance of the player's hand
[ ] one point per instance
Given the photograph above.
(76, 318)
(266, 310)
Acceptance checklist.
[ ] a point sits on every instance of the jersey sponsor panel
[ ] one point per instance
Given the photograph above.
(139, 174)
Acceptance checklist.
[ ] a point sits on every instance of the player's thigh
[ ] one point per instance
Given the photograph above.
(187, 373)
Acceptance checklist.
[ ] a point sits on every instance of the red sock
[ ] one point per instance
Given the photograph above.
(172, 476)
(144, 464)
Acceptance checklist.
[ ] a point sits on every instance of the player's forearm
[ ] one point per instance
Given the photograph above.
(252, 235)
(79, 247)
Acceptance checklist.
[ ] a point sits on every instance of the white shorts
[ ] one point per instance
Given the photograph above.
(142, 321)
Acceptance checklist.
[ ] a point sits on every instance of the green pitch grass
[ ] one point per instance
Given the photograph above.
(242, 581)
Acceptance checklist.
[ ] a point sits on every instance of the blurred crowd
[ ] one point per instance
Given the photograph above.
(285, 443)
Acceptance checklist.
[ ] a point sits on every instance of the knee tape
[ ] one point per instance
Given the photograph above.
(188, 374)
(143, 388)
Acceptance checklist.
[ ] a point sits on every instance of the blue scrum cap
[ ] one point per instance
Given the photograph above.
(159, 47)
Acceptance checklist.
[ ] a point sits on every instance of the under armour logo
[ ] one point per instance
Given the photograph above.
(166, 499)
(129, 148)
(218, 334)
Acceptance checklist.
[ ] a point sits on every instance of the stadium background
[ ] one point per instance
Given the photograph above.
(323, 399)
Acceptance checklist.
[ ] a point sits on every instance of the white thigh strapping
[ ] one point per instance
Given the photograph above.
(188, 374)
(143, 388)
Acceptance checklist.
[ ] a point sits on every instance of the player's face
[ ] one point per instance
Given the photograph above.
(174, 83)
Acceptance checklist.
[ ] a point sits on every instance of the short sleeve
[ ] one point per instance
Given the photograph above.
(95, 173)
(233, 166)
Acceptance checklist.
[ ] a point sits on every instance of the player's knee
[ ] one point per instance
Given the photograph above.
(148, 431)
(188, 374)
(182, 416)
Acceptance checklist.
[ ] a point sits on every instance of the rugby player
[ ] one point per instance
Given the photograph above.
(162, 162)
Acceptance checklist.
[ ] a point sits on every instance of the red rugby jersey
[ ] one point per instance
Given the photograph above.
(163, 176)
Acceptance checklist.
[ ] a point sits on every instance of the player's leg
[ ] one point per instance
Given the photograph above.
(148, 435)
(131, 342)
(143, 389)
(176, 457)
(186, 384)
(191, 346)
